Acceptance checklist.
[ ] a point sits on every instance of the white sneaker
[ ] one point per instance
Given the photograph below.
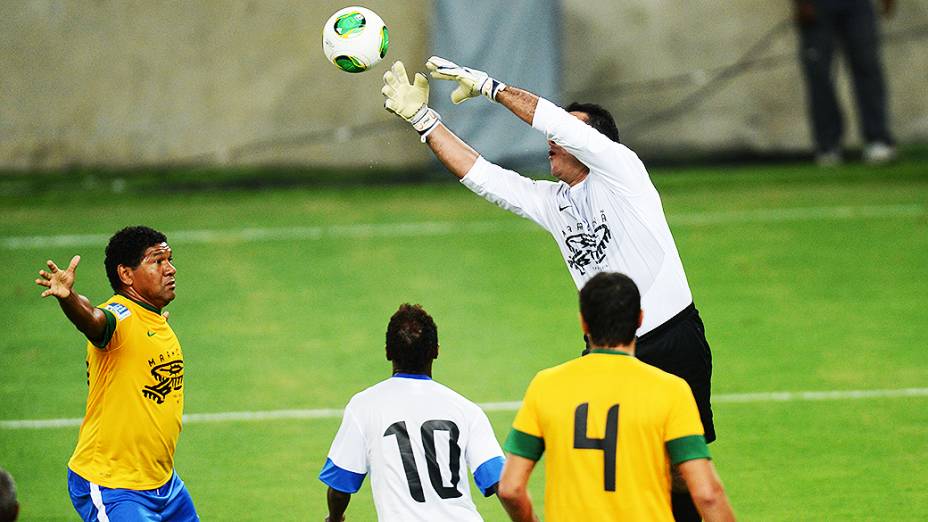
(877, 153)
(829, 158)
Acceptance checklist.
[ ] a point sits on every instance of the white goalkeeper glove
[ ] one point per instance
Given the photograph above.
(409, 101)
(471, 82)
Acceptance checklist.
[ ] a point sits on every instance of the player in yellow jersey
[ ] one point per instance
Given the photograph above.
(611, 427)
(123, 466)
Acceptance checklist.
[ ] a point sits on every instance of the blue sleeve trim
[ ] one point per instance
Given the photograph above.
(340, 479)
(487, 475)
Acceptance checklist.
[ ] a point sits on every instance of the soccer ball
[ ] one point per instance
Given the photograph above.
(355, 39)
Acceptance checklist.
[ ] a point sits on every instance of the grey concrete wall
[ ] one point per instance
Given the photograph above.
(762, 109)
(123, 83)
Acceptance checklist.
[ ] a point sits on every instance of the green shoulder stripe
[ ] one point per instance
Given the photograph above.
(687, 448)
(109, 331)
(524, 445)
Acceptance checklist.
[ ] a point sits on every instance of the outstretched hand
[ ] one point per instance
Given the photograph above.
(409, 101)
(401, 97)
(58, 282)
(471, 82)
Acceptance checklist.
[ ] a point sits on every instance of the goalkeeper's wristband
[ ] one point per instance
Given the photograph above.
(491, 87)
(424, 121)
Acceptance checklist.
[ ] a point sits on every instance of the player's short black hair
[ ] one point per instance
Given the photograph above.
(412, 339)
(611, 305)
(127, 247)
(9, 507)
(600, 119)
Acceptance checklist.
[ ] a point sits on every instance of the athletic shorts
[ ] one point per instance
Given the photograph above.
(169, 503)
(679, 346)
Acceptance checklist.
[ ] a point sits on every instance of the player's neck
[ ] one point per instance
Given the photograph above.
(421, 371)
(132, 294)
(574, 180)
(628, 349)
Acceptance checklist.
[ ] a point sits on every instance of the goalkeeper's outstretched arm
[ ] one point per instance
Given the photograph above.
(409, 100)
(472, 82)
(455, 154)
(521, 102)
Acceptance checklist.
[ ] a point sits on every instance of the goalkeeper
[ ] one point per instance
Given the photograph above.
(603, 212)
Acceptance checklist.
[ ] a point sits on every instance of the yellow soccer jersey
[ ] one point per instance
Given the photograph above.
(135, 400)
(610, 426)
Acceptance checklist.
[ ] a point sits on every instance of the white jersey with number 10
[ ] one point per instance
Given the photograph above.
(417, 439)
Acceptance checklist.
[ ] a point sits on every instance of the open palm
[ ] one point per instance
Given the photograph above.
(58, 282)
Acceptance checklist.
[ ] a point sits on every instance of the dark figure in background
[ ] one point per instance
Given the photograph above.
(9, 507)
(852, 23)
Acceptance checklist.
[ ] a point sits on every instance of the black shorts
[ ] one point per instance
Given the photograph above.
(679, 346)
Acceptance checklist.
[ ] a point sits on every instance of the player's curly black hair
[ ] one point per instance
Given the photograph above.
(412, 339)
(127, 247)
(600, 119)
(610, 304)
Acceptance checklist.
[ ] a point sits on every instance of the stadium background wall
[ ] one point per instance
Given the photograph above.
(112, 83)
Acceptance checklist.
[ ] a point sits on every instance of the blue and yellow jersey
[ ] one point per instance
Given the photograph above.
(135, 400)
(610, 426)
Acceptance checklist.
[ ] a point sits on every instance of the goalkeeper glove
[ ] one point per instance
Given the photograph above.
(409, 100)
(471, 82)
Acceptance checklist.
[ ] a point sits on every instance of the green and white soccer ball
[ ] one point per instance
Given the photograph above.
(355, 39)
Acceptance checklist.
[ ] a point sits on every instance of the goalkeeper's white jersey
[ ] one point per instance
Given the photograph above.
(417, 439)
(611, 221)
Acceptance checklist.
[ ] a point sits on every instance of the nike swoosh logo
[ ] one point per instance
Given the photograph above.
(151, 334)
(562, 209)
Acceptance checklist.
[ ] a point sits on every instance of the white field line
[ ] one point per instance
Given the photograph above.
(446, 228)
(782, 215)
(330, 413)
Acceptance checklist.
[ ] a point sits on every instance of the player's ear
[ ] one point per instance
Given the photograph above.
(387, 353)
(437, 349)
(583, 326)
(125, 275)
(640, 318)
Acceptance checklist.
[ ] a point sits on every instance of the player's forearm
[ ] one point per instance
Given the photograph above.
(521, 102)
(706, 490)
(338, 503)
(519, 508)
(455, 155)
(90, 320)
(512, 489)
(715, 510)
(710, 499)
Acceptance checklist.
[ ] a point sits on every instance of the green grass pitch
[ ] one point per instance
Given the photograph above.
(807, 280)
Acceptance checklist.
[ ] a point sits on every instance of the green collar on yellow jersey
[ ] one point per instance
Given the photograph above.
(143, 305)
(610, 352)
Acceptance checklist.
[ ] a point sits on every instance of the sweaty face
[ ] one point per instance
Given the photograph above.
(153, 279)
(564, 166)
